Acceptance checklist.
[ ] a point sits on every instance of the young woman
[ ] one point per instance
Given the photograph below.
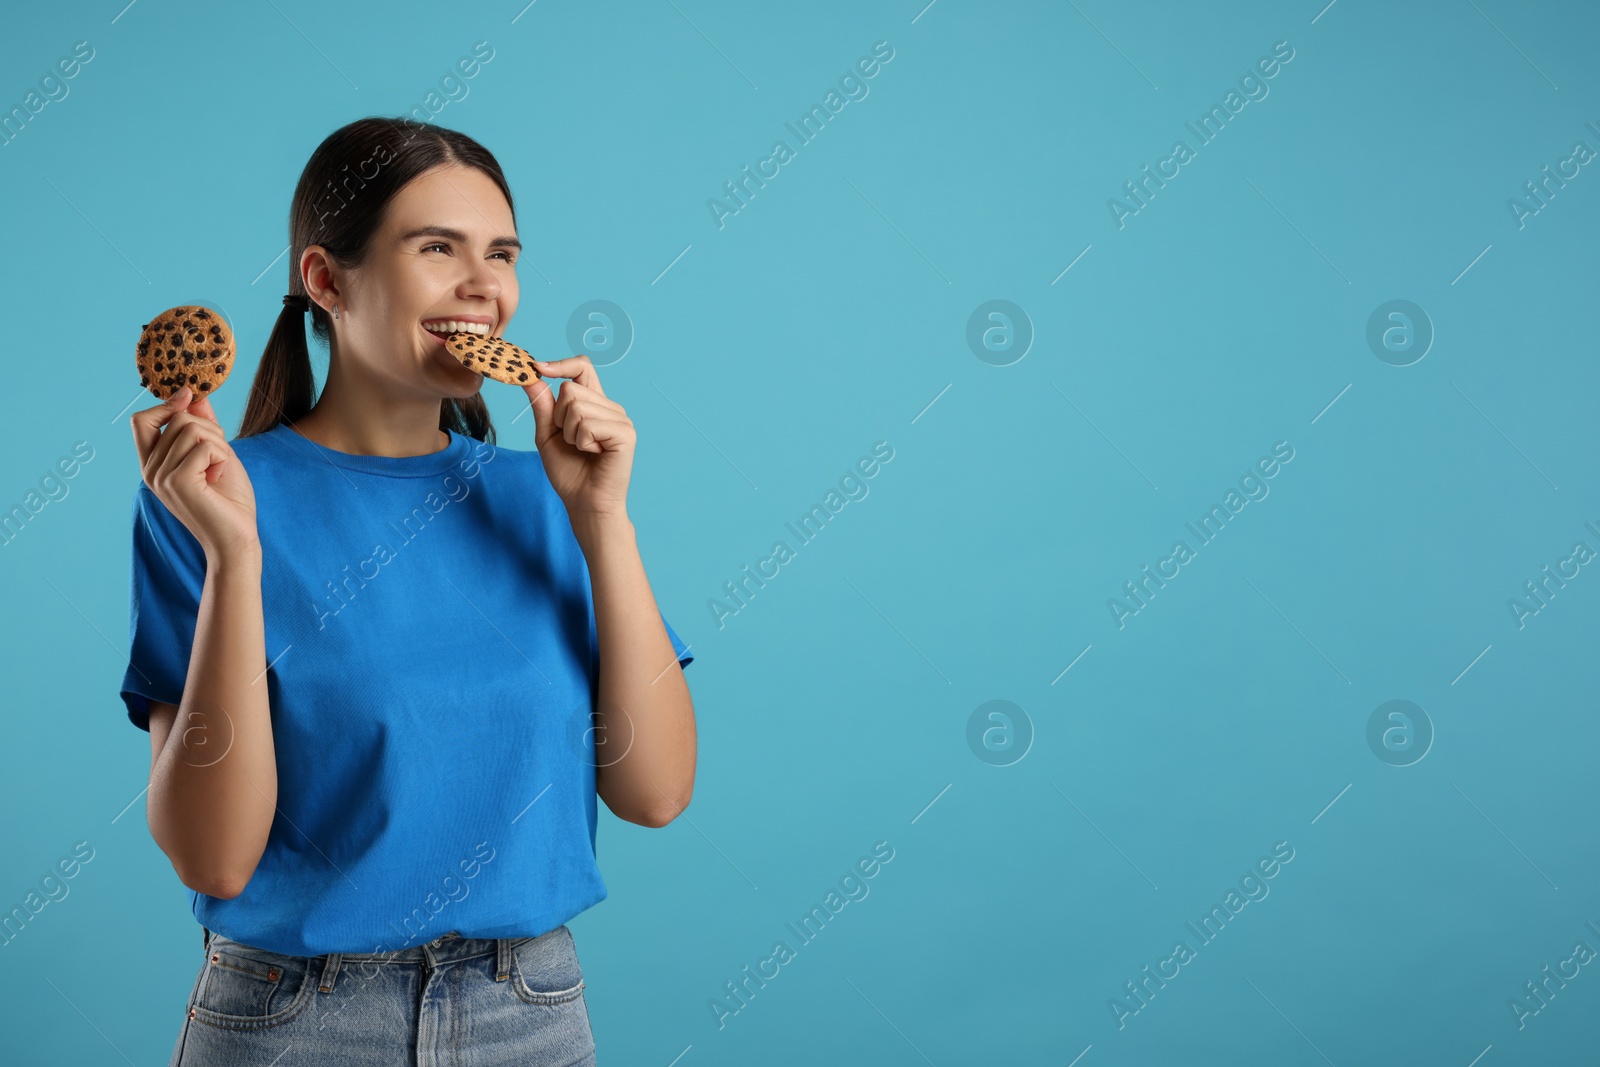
(377, 655)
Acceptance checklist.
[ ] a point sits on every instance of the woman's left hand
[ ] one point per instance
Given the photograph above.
(584, 438)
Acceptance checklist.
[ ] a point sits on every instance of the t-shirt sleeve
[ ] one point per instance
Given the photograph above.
(685, 657)
(166, 579)
(679, 649)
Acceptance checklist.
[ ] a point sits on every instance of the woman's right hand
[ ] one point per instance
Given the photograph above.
(193, 470)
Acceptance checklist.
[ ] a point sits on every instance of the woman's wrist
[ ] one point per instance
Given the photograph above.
(599, 529)
(237, 557)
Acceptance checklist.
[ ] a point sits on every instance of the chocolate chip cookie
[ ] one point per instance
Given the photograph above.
(185, 345)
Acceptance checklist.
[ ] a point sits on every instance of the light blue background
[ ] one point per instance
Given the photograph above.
(830, 313)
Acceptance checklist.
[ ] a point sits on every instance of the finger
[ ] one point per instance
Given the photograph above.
(192, 454)
(591, 434)
(175, 441)
(577, 368)
(148, 422)
(183, 428)
(580, 408)
(202, 407)
(543, 402)
(580, 392)
(154, 459)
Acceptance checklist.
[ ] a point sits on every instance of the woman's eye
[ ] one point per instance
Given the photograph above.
(438, 244)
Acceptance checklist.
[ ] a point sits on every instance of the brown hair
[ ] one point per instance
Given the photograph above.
(338, 204)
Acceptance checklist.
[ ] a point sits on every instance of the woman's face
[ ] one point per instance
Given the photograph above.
(447, 249)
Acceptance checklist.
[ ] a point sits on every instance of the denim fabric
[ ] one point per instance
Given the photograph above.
(452, 1002)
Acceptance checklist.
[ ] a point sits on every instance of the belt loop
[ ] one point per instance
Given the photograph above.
(207, 938)
(502, 959)
(330, 968)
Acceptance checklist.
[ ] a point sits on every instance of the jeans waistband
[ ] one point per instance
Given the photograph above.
(448, 948)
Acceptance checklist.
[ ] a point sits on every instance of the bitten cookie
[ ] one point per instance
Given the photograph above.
(493, 357)
(182, 346)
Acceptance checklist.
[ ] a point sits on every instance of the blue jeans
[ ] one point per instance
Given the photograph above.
(461, 1002)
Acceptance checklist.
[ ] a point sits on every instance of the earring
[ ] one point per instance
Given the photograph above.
(336, 311)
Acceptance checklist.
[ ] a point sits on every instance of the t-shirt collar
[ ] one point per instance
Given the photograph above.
(394, 466)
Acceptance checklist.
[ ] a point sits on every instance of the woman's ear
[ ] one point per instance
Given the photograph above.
(319, 275)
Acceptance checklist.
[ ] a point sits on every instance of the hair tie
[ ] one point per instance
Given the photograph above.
(297, 302)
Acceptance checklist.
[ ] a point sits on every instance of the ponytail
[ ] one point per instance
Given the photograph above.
(469, 417)
(284, 389)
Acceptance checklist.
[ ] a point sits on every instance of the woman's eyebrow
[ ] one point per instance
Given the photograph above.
(457, 235)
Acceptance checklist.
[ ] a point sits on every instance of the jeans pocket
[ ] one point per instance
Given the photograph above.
(545, 970)
(245, 988)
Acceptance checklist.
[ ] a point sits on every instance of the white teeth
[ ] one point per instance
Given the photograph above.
(452, 326)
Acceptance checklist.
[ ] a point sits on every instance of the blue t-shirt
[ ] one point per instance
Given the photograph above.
(432, 662)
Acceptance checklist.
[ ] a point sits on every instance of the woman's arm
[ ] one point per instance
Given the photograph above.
(586, 442)
(213, 770)
(214, 778)
(643, 707)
